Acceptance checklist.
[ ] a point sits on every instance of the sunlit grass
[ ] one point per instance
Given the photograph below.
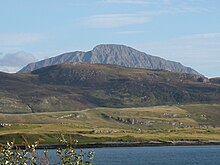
(167, 123)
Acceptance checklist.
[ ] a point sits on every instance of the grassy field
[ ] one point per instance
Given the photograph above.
(159, 123)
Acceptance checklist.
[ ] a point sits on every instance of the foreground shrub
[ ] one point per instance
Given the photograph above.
(10, 154)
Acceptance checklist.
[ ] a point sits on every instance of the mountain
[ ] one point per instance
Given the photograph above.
(113, 54)
(77, 86)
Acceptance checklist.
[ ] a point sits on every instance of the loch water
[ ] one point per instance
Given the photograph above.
(166, 155)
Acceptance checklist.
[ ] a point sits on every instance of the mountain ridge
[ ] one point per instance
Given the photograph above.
(113, 54)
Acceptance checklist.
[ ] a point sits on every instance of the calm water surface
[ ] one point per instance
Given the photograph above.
(172, 155)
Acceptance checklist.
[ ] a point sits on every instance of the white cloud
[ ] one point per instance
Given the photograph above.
(165, 5)
(115, 20)
(15, 61)
(129, 32)
(127, 1)
(203, 36)
(152, 9)
(17, 39)
(9, 69)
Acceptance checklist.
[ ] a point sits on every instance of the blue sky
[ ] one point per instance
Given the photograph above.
(187, 31)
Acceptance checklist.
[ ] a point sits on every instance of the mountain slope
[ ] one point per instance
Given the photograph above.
(113, 54)
(76, 86)
(67, 57)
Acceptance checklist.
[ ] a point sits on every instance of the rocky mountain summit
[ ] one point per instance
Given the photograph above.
(113, 54)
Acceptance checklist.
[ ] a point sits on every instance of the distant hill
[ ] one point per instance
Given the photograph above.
(215, 80)
(77, 86)
(113, 54)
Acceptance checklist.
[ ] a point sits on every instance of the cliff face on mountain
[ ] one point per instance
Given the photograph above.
(113, 54)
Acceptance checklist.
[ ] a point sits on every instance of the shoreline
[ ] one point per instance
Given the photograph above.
(132, 144)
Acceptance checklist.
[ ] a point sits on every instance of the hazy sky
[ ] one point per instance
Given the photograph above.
(187, 31)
